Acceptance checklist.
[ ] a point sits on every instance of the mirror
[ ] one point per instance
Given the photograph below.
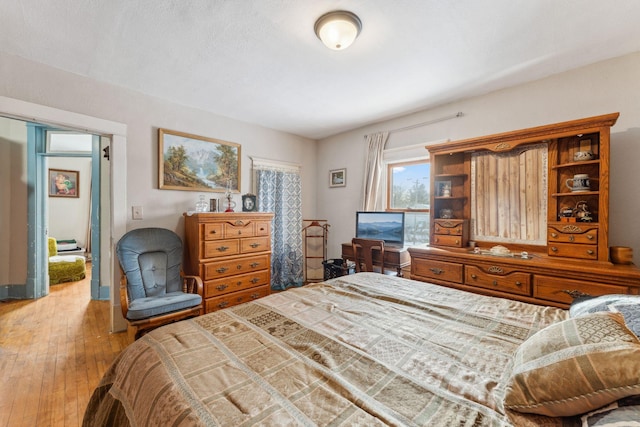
(509, 195)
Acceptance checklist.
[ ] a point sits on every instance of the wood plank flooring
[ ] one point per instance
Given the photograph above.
(53, 352)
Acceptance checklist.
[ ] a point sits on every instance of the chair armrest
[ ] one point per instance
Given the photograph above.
(124, 295)
(192, 284)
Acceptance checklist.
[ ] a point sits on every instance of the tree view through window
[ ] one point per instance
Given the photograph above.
(409, 191)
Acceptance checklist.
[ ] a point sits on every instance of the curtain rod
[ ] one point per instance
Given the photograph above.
(428, 122)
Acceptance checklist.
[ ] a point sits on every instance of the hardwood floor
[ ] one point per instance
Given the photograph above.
(53, 352)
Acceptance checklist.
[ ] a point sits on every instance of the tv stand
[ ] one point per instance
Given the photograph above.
(394, 257)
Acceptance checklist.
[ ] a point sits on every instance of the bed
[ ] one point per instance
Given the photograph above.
(364, 349)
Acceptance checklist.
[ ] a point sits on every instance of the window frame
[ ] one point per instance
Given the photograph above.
(389, 184)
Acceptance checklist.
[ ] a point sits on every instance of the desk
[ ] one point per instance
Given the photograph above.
(394, 257)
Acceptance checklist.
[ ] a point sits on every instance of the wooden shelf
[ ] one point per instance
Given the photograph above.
(576, 164)
(576, 194)
(450, 175)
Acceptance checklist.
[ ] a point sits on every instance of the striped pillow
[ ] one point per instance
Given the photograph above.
(575, 366)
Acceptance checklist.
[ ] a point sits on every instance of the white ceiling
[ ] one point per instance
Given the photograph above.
(259, 61)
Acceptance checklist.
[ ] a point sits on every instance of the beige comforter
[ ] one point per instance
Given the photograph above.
(361, 350)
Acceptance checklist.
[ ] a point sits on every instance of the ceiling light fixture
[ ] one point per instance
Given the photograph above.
(338, 29)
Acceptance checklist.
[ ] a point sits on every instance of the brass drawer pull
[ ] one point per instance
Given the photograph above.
(254, 280)
(222, 248)
(574, 293)
(239, 232)
(255, 296)
(436, 270)
(572, 238)
(222, 269)
(254, 264)
(590, 251)
(474, 277)
(590, 236)
(554, 235)
(254, 245)
(494, 283)
(213, 231)
(239, 267)
(518, 284)
(221, 287)
(223, 304)
(554, 249)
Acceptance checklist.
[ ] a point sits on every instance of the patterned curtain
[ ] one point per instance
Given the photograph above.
(280, 192)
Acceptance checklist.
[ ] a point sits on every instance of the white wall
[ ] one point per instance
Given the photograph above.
(13, 202)
(69, 217)
(606, 87)
(143, 115)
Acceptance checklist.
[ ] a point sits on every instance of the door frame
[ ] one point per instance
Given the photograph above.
(30, 112)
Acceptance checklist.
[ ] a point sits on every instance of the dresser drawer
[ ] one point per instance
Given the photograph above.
(255, 244)
(451, 227)
(448, 271)
(212, 231)
(235, 298)
(263, 228)
(447, 240)
(220, 248)
(573, 251)
(213, 288)
(215, 270)
(239, 228)
(498, 278)
(559, 289)
(572, 233)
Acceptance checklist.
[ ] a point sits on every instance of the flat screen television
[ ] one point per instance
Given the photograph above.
(387, 226)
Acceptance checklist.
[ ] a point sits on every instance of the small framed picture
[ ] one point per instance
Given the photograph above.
(64, 183)
(444, 189)
(338, 178)
(249, 203)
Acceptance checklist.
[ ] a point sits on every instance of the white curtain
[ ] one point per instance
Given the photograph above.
(279, 190)
(374, 171)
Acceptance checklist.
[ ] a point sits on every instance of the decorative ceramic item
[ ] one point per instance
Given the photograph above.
(446, 213)
(582, 156)
(579, 182)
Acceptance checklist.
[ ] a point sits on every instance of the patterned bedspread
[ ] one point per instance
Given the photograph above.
(361, 350)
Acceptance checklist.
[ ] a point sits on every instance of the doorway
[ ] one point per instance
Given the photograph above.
(115, 204)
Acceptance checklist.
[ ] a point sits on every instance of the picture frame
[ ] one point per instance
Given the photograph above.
(444, 189)
(197, 163)
(338, 178)
(64, 183)
(249, 203)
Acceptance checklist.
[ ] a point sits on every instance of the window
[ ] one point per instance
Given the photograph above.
(408, 190)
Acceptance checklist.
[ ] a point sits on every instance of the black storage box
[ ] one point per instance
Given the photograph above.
(336, 267)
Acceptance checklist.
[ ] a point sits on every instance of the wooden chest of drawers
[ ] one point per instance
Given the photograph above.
(450, 232)
(231, 252)
(539, 279)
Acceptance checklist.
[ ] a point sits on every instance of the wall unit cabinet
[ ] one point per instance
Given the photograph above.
(565, 234)
(231, 252)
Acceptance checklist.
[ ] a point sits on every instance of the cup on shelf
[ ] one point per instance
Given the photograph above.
(579, 182)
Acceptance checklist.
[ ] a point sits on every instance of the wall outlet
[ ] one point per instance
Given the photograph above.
(136, 212)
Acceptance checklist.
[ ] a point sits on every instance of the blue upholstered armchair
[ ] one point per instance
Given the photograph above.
(153, 289)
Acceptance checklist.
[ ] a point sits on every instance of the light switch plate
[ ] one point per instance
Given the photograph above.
(136, 212)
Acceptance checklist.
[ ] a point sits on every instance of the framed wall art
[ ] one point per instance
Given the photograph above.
(338, 178)
(64, 183)
(197, 163)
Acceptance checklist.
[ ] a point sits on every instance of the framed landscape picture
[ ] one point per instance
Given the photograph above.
(197, 163)
(64, 183)
(338, 178)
